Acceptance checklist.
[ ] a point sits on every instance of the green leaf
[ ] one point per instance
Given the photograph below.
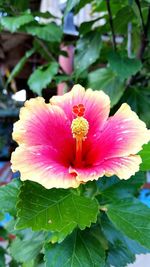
(121, 249)
(8, 196)
(132, 218)
(19, 65)
(13, 263)
(2, 216)
(49, 32)
(135, 247)
(119, 255)
(19, 6)
(145, 155)
(70, 5)
(105, 79)
(87, 51)
(120, 25)
(75, 5)
(138, 99)
(123, 66)
(3, 233)
(27, 249)
(2, 257)
(81, 248)
(135, 181)
(80, 5)
(62, 78)
(42, 76)
(56, 210)
(45, 15)
(86, 26)
(30, 263)
(124, 188)
(56, 237)
(10, 228)
(14, 23)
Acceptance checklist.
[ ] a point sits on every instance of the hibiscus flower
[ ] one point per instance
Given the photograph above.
(72, 140)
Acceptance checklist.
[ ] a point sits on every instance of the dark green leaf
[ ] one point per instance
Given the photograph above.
(132, 218)
(13, 263)
(19, 65)
(87, 26)
(82, 248)
(2, 257)
(56, 210)
(14, 23)
(119, 255)
(121, 250)
(120, 24)
(139, 100)
(135, 181)
(19, 5)
(49, 32)
(87, 51)
(90, 189)
(124, 188)
(45, 15)
(135, 247)
(42, 76)
(3, 233)
(123, 66)
(57, 237)
(105, 79)
(8, 196)
(106, 182)
(145, 155)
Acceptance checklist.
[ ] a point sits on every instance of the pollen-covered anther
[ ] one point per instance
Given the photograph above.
(80, 127)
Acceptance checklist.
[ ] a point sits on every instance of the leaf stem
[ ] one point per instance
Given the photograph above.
(111, 24)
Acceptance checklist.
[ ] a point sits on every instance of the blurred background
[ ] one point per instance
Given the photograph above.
(46, 46)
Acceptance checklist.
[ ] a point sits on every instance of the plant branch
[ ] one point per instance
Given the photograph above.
(144, 38)
(41, 43)
(141, 15)
(111, 23)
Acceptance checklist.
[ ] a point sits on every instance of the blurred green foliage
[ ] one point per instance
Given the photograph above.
(113, 56)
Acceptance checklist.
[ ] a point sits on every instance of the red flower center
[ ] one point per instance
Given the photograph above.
(79, 110)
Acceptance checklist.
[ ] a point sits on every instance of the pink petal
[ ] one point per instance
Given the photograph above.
(43, 165)
(44, 124)
(123, 134)
(96, 103)
(123, 167)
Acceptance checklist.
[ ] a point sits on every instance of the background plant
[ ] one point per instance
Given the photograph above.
(105, 223)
